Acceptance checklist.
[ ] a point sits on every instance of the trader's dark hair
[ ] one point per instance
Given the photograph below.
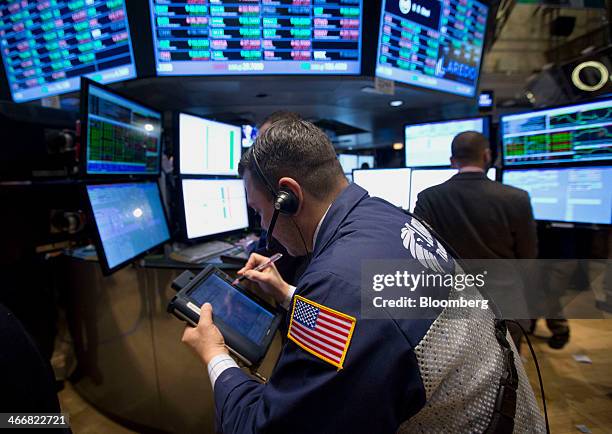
(298, 149)
(277, 116)
(467, 147)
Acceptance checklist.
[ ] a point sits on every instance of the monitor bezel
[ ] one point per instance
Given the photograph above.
(487, 123)
(553, 163)
(563, 222)
(93, 224)
(360, 61)
(84, 131)
(435, 90)
(176, 145)
(182, 216)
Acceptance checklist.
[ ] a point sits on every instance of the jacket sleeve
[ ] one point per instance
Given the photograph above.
(374, 392)
(422, 208)
(526, 238)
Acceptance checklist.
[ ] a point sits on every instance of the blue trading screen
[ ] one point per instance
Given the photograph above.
(130, 219)
(224, 37)
(123, 137)
(575, 195)
(581, 132)
(48, 44)
(234, 308)
(432, 44)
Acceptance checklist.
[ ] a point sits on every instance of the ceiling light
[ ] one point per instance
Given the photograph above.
(396, 103)
(398, 146)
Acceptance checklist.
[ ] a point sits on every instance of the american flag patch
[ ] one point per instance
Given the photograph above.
(323, 332)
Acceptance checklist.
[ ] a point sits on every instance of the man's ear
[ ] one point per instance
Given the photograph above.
(488, 157)
(292, 185)
(454, 163)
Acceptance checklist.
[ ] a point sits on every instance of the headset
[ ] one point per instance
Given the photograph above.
(285, 202)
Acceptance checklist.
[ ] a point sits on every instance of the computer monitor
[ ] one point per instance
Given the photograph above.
(249, 134)
(348, 162)
(432, 44)
(207, 147)
(48, 45)
(392, 185)
(253, 37)
(422, 179)
(121, 136)
(429, 144)
(130, 221)
(367, 159)
(213, 206)
(570, 133)
(567, 194)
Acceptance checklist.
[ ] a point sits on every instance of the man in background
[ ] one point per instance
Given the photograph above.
(480, 218)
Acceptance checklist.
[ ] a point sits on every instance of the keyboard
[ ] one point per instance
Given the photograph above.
(202, 252)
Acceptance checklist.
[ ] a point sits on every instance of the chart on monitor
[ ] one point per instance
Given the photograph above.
(207, 147)
(214, 206)
(429, 144)
(123, 137)
(257, 37)
(432, 44)
(574, 195)
(130, 219)
(48, 45)
(581, 132)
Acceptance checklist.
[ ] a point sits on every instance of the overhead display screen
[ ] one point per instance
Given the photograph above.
(47, 45)
(568, 194)
(575, 133)
(225, 37)
(432, 44)
(430, 144)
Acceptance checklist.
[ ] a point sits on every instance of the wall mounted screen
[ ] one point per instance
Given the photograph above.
(47, 45)
(580, 132)
(432, 44)
(574, 195)
(429, 144)
(130, 220)
(207, 147)
(423, 179)
(257, 37)
(392, 185)
(214, 206)
(122, 136)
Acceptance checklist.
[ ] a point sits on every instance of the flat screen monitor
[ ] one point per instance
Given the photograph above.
(572, 133)
(422, 179)
(130, 221)
(429, 144)
(207, 147)
(432, 44)
(392, 185)
(348, 162)
(122, 137)
(249, 134)
(213, 206)
(257, 37)
(48, 45)
(568, 194)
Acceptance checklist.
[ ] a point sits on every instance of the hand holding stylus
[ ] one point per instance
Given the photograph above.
(260, 267)
(262, 270)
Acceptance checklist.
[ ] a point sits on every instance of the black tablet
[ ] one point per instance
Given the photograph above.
(246, 322)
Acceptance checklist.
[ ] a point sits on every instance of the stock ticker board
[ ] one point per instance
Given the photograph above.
(225, 37)
(432, 44)
(574, 133)
(48, 44)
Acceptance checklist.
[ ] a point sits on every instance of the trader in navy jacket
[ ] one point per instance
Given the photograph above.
(339, 372)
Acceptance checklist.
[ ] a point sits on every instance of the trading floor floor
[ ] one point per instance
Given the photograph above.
(579, 395)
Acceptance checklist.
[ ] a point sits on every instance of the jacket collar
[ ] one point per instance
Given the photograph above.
(336, 214)
(470, 175)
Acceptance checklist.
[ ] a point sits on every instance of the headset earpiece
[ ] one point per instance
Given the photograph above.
(286, 202)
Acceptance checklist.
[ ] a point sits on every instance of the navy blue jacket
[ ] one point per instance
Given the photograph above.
(380, 384)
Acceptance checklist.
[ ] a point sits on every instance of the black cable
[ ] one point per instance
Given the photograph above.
(302, 237)
(535, 359)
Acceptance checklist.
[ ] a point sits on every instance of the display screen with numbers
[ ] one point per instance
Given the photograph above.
(225, 37)
(47, 45)
(432, 44)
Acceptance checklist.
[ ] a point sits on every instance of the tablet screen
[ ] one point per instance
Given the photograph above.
(233, 308)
